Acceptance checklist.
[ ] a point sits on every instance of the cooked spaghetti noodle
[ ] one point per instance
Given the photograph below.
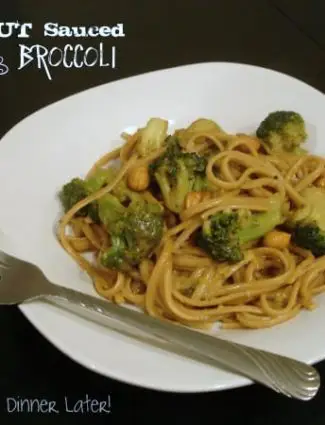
(178, 280)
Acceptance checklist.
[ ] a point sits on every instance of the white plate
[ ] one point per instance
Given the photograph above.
(63, 140)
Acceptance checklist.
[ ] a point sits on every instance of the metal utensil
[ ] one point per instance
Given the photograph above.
(22, 281)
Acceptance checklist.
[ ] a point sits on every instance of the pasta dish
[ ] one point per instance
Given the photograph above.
(200, 226)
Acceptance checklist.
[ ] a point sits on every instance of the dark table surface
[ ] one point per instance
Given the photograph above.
(285, 35)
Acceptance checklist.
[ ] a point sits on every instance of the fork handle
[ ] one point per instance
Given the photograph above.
(281, 374)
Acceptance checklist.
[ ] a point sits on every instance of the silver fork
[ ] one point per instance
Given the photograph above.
(22, 282)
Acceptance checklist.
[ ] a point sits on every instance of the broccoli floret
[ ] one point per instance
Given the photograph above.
(219, 237)
(178, 173)
(114, 258)
(73, 192)
(310, 237)
(223, 234)
(308, 223)
(135, 231)
(282, 131)
(152, 137)
(78, 189)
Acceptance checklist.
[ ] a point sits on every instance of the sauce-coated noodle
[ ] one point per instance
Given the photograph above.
(182, 283)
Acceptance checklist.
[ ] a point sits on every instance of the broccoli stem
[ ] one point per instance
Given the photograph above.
(110, 210)
(99, 178)
(260, 224)
(152, 136)
(164, 185)
(182, 186)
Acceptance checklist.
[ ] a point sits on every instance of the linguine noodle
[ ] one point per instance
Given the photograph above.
(179, 281)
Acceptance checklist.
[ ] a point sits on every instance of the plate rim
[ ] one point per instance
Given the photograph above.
(189, 65)
(237, 381)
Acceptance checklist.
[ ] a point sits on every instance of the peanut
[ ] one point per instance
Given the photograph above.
(194, 198)
(276, 239)
(138, 178)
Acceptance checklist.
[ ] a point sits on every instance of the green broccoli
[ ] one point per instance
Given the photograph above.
(72, 193)
(307, 224)
(78, 189)
(110, 211)
(177, 173)
(135, 231)
(114, 257)
(223, 234)
(310, 237)
(153, 136)
(282, 131)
